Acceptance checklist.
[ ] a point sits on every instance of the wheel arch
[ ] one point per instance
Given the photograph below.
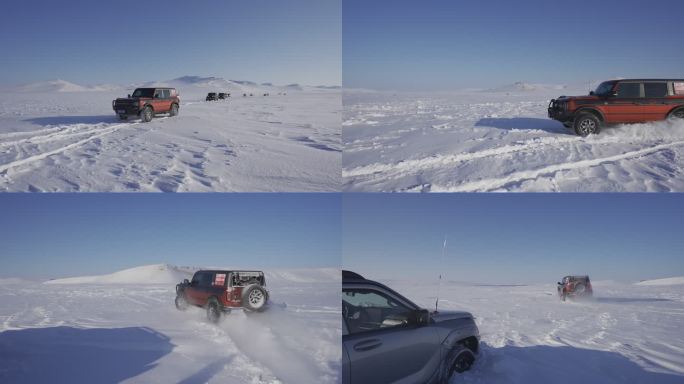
(591, 110)
(675, 109)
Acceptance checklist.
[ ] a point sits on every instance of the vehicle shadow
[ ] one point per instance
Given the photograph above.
(67, 120)
(524, 123)
(74, 355)
(562, 364)
(628, 299)
(205, 374)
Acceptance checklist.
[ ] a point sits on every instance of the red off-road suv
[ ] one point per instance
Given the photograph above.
(574, 286)
(620, 101)
(220, 291)
(147, 102)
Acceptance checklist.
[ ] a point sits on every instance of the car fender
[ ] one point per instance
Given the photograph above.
(591, 110)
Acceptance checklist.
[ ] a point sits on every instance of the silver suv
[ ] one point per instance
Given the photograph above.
(388, 339)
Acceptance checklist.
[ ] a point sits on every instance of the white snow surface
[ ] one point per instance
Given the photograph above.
(666, 281)
(57, 138)
(498, 140)
(626, 334)
(132, 333)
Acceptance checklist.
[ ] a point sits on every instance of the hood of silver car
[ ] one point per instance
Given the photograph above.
(450, 315)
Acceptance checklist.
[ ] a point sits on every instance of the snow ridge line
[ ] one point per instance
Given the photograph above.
(495, 183)
(41, 156)
(440, 160)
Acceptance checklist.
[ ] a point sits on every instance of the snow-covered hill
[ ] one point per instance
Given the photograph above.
(528, 87)
(59, 86)
(667, 281)
(171, 274)
(148, 274)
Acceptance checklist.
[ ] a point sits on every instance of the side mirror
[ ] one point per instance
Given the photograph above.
(419, 317)
(559, 283)
(591, 93)
(185, 281)
(129, 95)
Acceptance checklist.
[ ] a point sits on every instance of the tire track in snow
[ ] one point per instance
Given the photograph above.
(63, 133)
(442, 160)
(516, 177)
(41, 156)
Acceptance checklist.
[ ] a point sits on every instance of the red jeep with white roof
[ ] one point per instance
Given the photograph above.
(219, 291)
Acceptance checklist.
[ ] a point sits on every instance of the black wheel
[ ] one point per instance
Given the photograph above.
(123, 117)
(677, 114)
(213, 310)
(254, 298)
(181, 303)
(461, 360)
(174, 110)
(147, 114)
(586, 124)
(579, 289)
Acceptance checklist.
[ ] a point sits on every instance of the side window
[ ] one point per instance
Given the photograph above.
(367, 310)
(655, 89)
(678, 88)
(157, 93)
(166, 93)
(204, 279)
(196, 278)
(629, 90)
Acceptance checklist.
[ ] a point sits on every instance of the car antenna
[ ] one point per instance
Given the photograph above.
(439, 283)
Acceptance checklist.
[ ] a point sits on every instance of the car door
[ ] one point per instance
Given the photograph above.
(380, 348)
(200, 288)
(656, 104)
(625, 106)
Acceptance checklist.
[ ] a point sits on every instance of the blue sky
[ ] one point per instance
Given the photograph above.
(514, 238)
(443, 44)
(55, 235)
(91, 42)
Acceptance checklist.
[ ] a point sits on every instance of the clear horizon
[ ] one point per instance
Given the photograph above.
(444, 45)
(513, 238)
(76, 234)
(91, 43)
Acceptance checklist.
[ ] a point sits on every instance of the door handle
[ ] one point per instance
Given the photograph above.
(367, 345)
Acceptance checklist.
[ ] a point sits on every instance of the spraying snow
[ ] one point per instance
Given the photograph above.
(121, 328)
(498, 140)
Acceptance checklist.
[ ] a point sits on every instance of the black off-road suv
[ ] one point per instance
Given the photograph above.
(211, 96)
(219, 291)
(147, 102)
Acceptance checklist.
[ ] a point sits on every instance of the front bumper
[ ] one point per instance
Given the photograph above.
(558, 110)
(126, 109)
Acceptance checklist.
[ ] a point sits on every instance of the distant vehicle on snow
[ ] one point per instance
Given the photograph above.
(223, 96)
(381, 328)
(574, 287)
(620, 101)
(211, 96)
(147, 102)
(220, 291)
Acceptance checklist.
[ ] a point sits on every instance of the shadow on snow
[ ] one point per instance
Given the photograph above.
(75, 355)
(524, 123)
(559, 365)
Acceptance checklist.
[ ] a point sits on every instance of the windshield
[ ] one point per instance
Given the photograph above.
(143, 92)
(604, 88)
